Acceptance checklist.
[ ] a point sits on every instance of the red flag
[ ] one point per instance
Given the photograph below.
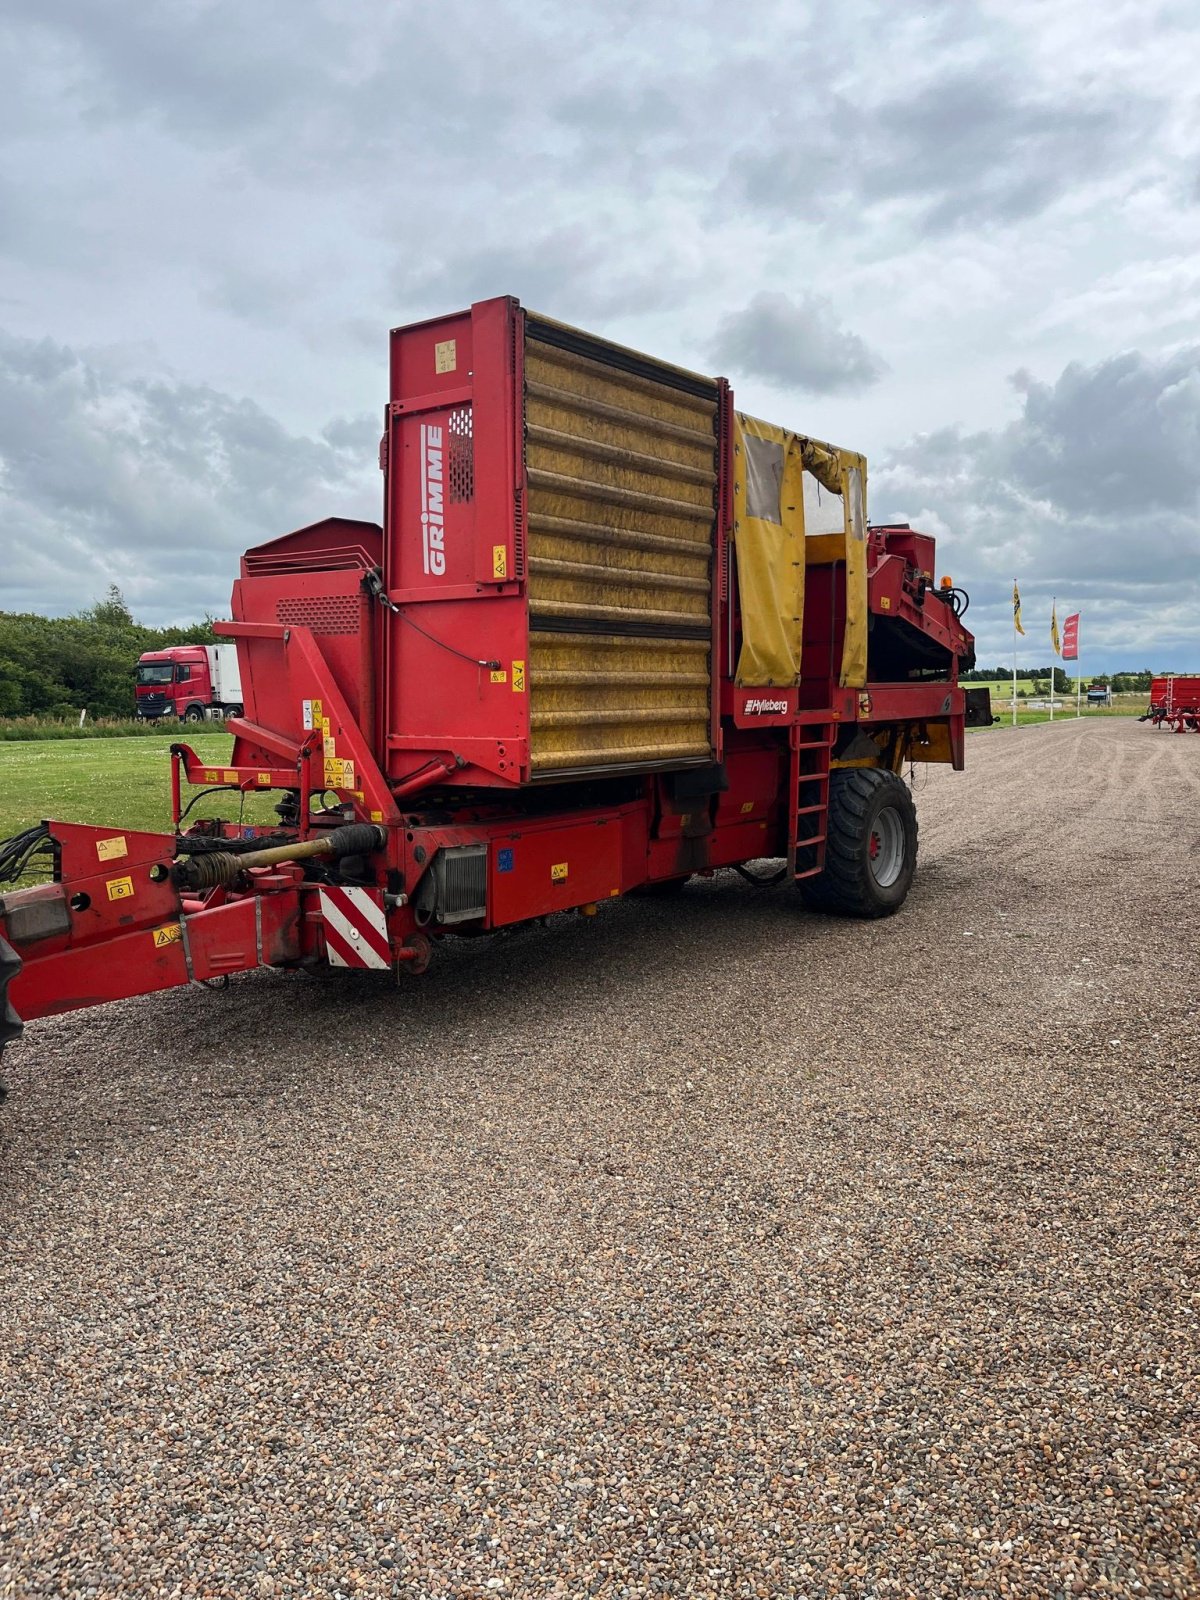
(1070, 638)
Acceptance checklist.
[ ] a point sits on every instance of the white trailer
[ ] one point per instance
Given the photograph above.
(226, 678)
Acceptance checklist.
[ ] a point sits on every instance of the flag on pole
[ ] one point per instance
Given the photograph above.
(1054, 628)
(1070, 638)
(1017, 609)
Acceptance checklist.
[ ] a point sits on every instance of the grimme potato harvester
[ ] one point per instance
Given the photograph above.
(611, 633)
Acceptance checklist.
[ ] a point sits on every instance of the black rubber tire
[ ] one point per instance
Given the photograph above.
(193, 714)
(847, 885)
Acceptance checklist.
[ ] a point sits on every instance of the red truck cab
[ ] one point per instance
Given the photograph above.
(193, 682)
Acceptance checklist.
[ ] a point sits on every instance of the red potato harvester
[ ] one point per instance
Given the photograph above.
(611, 633)
(1174, 703)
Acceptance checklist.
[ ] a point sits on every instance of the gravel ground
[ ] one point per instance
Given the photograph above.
(705, 1248)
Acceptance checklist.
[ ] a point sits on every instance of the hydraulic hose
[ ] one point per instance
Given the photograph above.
(217, 867)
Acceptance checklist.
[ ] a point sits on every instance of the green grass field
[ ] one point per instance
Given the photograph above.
(1003, 686)
(125, 782)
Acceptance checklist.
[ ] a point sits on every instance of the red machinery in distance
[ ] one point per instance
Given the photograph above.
(611, 633)
(1175, 702)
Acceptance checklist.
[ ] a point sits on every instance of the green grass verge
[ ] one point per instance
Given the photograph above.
(25, 729)
(1003, 686)
(125, 783)
(1004, 715)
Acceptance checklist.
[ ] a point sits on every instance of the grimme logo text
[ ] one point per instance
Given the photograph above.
(433, 543)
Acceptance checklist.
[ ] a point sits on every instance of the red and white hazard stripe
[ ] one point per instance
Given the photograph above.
(355, 928)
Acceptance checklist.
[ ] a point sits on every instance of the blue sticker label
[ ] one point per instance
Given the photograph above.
(504, 861)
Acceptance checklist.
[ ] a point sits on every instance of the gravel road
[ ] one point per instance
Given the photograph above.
(703, 1248)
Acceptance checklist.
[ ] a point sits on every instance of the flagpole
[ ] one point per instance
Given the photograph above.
(1078, 674)
(1014, 708)
(1053, 614)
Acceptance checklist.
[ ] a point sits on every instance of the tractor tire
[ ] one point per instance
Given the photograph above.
(870, 848)
(194, 714)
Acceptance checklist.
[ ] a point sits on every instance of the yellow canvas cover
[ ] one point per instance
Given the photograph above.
(768, 534)
(854, 498)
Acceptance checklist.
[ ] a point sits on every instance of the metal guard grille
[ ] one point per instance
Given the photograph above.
(460, 873)
(334, 613)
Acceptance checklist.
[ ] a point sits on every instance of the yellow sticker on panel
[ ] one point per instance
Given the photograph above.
(518, 681)
(499, 677)
(120, 888)
(112, 849)
(558, 872)
(171, 934)
(264, 779)
(445, 355)
(499, 561)
(230, 775)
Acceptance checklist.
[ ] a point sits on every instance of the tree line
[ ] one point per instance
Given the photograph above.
(1118, 682)
(60, 666)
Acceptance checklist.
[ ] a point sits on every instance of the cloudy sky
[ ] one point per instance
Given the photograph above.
(961, 237)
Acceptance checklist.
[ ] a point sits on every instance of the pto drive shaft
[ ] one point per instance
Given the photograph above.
(222, 866)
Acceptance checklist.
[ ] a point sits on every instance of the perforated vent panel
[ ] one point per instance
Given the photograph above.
(461, 473)
(333, 613)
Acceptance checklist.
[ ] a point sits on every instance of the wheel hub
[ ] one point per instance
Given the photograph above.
(885, 847)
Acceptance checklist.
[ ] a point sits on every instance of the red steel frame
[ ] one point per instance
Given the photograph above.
(348, 695)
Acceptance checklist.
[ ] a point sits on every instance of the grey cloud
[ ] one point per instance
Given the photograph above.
(156, 485)
(969, 145)
(1112, 438)
(974, 146)
(573, 273)
(322, 93)
(1093, 494)
(296, 93)
(211, 70)
(795, 344)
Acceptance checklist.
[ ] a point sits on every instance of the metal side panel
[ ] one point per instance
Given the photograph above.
(621, 469)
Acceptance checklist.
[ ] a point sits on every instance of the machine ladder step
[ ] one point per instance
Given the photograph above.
(808, 786)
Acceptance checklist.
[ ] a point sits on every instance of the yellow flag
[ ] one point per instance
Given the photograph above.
(1054, 628)
(1017, 610)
